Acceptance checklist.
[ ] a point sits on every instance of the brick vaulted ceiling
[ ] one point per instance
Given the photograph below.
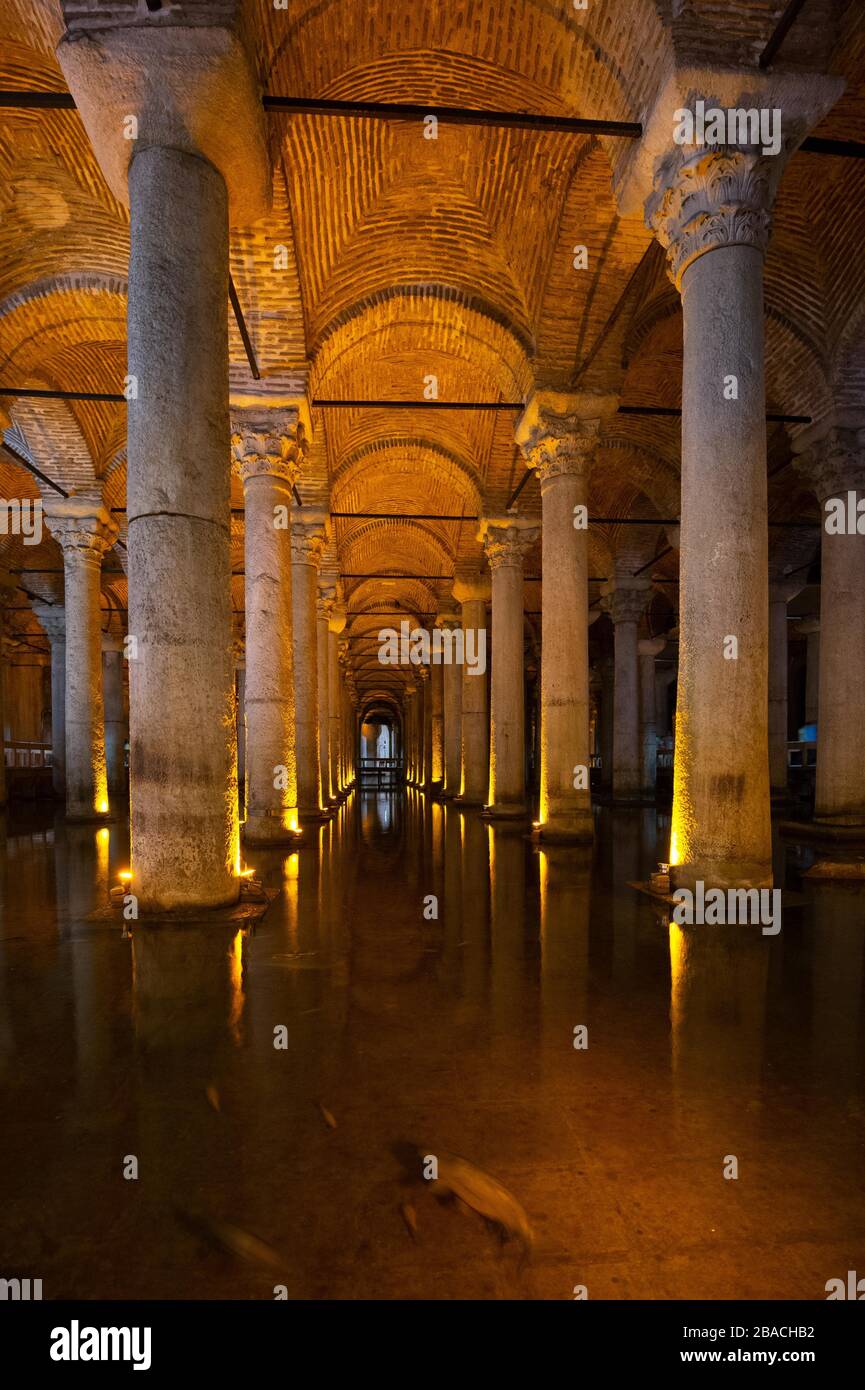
(389, 257)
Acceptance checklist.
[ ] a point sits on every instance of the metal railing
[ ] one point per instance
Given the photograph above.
(27, 753)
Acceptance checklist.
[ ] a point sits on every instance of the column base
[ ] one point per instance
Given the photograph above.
(269, 830)
(506, 810)
(840, 846)
(314, 814)
(722, 874)
(82, 815)
(565, 830)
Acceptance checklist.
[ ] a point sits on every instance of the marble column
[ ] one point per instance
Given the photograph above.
(268, 444)
(335, 624)
(780, 593)
(625, 604)
(558, 435)
(116, 723)
(238, 662)
(647, 650)
(834, 463)
(424, 673)
(308, 537)
(324, 605)
(451, 712)
(506, 540)
(712, 215)
(52, 617)
(472, 595)
(709, 206)
(435, 779)
(203, 163)
(85, 531)
(409, 716)
(809, 628)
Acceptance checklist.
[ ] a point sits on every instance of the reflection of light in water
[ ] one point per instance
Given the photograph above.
(236, 975)
(290, 867)
(383, 808)
(103, 839)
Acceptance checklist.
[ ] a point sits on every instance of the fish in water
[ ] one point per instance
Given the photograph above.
(457, 1177)
(236, 1241)
(327, 1116)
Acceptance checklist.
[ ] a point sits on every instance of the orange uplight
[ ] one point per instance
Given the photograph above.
(102, 807)
(125, 875)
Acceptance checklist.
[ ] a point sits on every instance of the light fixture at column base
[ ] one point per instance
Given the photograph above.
(565, 830)
(264, 831)
(504, 810)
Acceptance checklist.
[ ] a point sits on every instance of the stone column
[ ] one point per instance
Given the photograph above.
(324, 605)
(809, 628)
(52, 617)
(625, 605)
(435, 780)
(268, 444)
(648, 649)
(835, 466)
(409, 715)
(427, 737)
(472, 595)
(506, 540)
(709, 206)
(712, 215)
(335, 624)
(238, 661)
(308, 537)
(780, 594)
(85, 531)
(452, 676)
(199, 162)
(558, 434)
(116, 724)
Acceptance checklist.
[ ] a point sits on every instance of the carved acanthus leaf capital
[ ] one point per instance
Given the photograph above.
(81, 527)
(558, 432)
(626, 603)
(717, 196)
(835, 463)
(507, 539)
(267, 442)
(52, 619)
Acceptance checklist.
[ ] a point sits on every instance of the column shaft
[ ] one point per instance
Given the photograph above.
(474, 719)
(115, 714)
(183, 755)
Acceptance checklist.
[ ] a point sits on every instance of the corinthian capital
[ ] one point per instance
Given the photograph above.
(714, 197)
(309, 535)
(557, 432)
(267, 441)
(833, 461)
(506, 539)
(81, 526)
(625, 603)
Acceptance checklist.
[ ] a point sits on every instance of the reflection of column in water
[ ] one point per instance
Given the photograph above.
(188, 1013)
(513, 997)
(718, 1014)
(7, 1035)
(476, 888)
(452, 925)
(437, 846)
(627, 907)
(838, 951)
(565, 894)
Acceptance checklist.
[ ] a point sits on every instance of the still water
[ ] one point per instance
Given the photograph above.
(425, 975)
